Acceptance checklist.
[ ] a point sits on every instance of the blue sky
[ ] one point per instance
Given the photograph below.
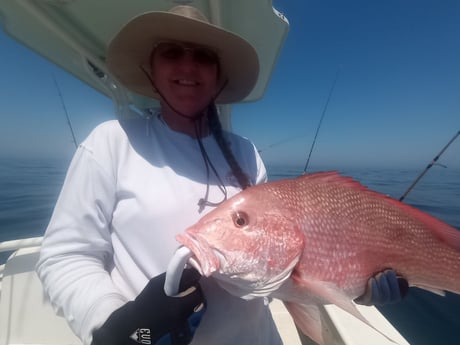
(396, 102)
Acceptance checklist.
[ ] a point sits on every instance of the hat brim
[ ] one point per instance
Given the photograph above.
(129, 52)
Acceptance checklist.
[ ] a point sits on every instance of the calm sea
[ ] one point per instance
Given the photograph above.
(29, 189)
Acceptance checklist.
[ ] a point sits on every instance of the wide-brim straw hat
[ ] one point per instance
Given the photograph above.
(128, 55)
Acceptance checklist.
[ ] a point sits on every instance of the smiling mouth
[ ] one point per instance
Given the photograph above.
(186, 82)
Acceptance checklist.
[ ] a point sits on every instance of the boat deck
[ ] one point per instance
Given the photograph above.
(26, 317)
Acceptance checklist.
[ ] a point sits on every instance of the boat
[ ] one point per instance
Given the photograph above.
(73, 34)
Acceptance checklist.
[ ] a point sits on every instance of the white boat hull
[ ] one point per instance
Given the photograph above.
(26, 316)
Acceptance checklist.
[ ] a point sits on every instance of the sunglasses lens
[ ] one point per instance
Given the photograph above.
(205, 56)
(174, 51)
(171, 51)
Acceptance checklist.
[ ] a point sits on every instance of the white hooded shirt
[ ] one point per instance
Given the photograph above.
(131, 187)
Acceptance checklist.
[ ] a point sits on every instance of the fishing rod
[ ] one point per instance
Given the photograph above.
(433, 162)
(321, 120)
(66, 113)
(280, 142)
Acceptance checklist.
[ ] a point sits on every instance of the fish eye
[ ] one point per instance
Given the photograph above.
(240, 219)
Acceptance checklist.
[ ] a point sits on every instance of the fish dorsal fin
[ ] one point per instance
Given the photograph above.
(446, 233)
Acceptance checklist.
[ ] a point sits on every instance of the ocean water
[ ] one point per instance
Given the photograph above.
(29, 190)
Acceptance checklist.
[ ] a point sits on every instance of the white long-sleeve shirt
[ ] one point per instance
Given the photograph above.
(131, 187)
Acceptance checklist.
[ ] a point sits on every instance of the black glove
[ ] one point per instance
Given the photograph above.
(154, 318)
(384, 288)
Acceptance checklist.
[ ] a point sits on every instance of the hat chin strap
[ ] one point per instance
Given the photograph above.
(202, 202)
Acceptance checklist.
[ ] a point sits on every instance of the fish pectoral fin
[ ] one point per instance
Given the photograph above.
(439, 292)
(332, 294)
(309, 319)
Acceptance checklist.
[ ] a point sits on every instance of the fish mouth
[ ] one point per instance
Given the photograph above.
(203, 258)
(182, 256)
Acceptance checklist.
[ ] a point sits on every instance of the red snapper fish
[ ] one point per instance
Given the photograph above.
(317, 239)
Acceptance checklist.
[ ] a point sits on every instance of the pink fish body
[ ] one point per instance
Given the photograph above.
(317, 239)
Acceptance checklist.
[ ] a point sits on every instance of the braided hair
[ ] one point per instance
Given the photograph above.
(216, 129)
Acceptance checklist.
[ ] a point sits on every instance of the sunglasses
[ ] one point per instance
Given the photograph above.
(175, 51)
